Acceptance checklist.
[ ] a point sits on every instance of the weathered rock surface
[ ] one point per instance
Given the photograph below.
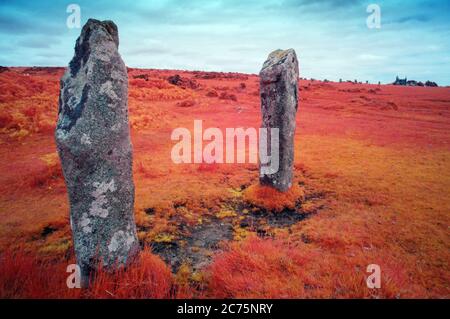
(279, 102)
(93, 142)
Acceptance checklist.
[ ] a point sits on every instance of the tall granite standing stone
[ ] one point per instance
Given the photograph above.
(279, 102)
(93, 141)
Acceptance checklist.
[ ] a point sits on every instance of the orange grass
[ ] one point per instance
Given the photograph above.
(374, 159)
(273, 200)
(259, 268)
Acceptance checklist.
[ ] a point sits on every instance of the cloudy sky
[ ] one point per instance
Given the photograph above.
(331, 37)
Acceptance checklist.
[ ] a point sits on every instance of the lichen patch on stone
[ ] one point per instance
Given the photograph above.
(121, 240)
(108, 90)
(84, 223)
(99, 194)
(85, 140)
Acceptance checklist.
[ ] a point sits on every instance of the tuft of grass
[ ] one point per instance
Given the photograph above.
(147, 278)
(268, 198)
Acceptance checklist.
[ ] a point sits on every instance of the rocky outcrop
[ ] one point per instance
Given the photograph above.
(93, 142)
(431, 84)
(183, 82)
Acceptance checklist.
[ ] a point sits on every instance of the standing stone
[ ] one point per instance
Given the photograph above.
(279, 102)
(93, 141)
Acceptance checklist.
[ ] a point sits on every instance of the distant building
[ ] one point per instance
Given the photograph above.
(399, 81)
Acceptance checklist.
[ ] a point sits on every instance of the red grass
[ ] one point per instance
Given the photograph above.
(373, 160)
(27, 276)
(148, 278)
(259, 269)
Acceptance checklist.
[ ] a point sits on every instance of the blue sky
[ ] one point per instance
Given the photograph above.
(331, 37)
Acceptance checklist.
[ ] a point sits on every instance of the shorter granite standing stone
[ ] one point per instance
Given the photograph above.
(93, 141)
(279, 102)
